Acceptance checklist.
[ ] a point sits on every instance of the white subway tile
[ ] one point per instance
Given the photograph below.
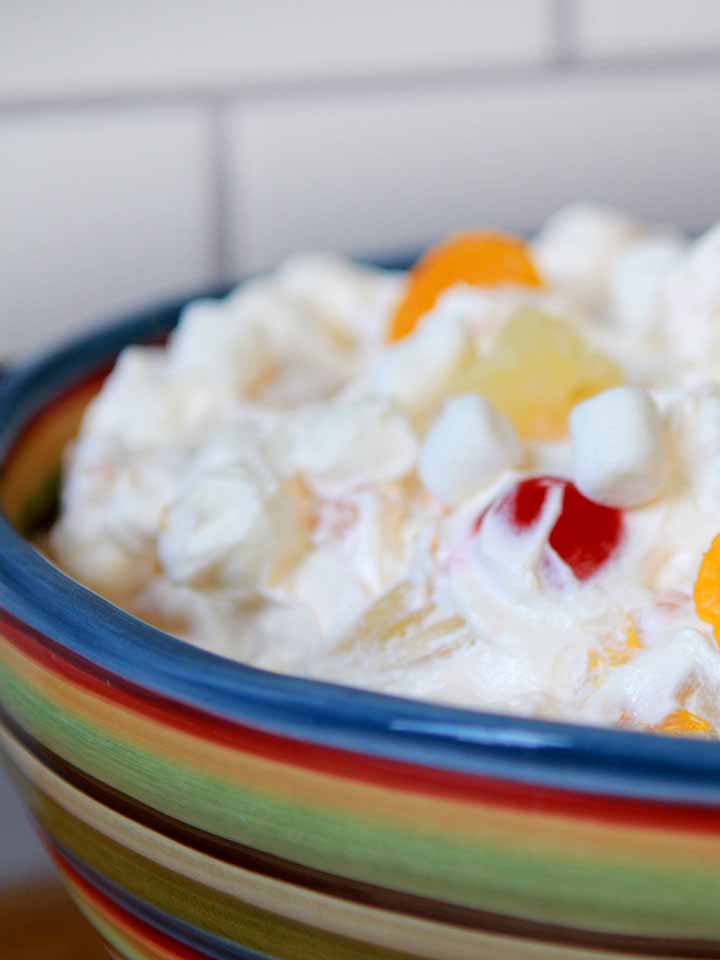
(378, 173)
(607, 27)
(98, 213)
(90, 46)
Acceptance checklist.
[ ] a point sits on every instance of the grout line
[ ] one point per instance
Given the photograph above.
(565, 31)
(219, 186)
(413, 81)
(90, 102)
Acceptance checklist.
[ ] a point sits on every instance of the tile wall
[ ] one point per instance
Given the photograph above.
(148, 148)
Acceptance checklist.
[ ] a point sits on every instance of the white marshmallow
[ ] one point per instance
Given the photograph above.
(146, 403)
(577, 247)
(691, 302)
(349, 301)
(637, 279)
(414, 371)
(133, 407)
(111, 509)
(234, 527)
(692, 419)
(467, 446)
(306, 360)
(346, 444)
(226, 337)
(324, 583)
(617, 449)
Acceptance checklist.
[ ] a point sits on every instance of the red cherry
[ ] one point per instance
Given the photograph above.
(585, 534)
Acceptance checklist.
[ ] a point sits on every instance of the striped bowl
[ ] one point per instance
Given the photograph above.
(201, 808)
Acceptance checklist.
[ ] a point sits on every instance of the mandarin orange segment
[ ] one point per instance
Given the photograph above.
(538, 369)
(482, 259)
(683, 722)
(619, 656)
(706, 592)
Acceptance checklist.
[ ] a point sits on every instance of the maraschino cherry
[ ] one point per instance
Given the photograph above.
(585, 534)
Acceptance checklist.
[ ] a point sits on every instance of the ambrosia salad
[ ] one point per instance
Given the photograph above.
(492, 481)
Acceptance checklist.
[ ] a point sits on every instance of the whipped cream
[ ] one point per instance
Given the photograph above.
(281, 485)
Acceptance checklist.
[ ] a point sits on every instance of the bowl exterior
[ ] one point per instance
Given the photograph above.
(182, 834)
(193, 815)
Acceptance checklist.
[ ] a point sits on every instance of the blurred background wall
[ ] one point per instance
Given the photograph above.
(150, 147)
(147, 147)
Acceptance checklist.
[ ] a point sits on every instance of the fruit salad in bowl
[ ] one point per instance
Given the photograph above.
(492, 481)
(479, 496)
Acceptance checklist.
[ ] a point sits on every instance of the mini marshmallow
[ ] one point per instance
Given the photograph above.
(637, 279)
(467, 446)
(692, 419)
(346, 444)
(415, 370)
(617, 449)
(691, 299)
(347, 300)
(133, 408)
(227, 337)
(577, 247)
(234, 527)
(112, 503)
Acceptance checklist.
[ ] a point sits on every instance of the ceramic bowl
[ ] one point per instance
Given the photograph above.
(200, 808)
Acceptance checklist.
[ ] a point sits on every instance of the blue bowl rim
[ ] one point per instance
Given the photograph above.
(526, 750)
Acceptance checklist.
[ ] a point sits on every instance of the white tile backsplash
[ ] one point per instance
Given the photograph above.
(98, 212)
(86, 45)
(384, 172)
(647, 26)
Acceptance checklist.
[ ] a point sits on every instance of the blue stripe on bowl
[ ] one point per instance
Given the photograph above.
(217, 948)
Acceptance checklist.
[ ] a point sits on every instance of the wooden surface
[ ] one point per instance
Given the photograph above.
(42, 923)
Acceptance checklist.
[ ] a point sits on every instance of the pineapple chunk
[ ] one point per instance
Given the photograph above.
(536, 371)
